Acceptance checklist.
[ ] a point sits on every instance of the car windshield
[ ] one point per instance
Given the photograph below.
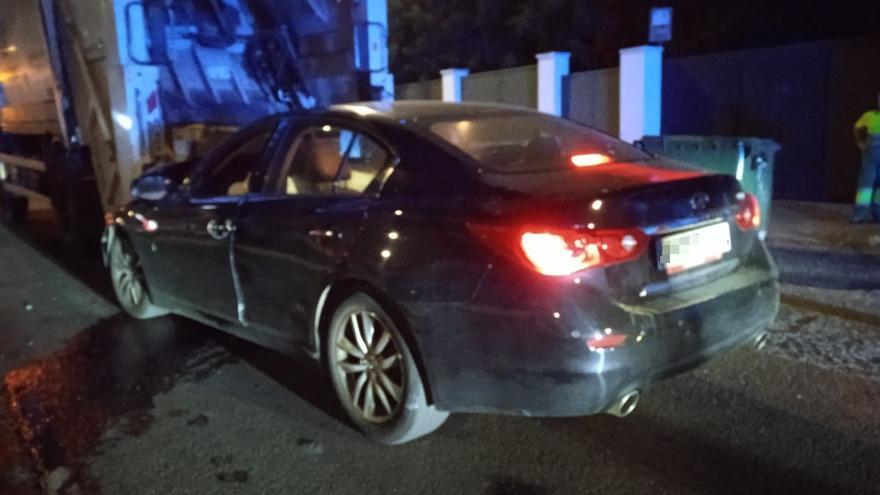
(526, 143)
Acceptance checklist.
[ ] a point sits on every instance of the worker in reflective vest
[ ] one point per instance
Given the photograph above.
(867, 130)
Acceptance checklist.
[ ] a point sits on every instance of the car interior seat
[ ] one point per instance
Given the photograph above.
(542, 148)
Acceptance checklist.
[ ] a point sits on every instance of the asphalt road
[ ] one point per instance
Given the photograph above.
(94, 402)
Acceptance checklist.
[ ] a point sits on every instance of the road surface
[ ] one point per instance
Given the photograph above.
(94, 402)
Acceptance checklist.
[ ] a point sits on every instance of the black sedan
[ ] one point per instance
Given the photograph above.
(446, 258)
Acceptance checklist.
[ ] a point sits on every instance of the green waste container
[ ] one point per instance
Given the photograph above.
(750, 160)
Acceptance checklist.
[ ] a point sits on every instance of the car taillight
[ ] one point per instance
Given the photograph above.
(558, 254)
(749, 215)
(562, 252)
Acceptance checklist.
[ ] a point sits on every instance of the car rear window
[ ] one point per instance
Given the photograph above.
(526, 143)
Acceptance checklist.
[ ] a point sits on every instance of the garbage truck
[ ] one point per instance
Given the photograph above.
(93, 92)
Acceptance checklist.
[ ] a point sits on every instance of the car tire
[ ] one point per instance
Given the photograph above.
(374, 374)
(129, 283)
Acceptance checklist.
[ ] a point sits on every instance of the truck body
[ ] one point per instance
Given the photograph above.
(92, 92)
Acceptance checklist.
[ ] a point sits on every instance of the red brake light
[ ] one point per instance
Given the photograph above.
(749, 215)
(558, 255)
(562, 252)
(590, 160)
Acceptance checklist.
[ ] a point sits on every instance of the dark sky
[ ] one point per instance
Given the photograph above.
(427, 35)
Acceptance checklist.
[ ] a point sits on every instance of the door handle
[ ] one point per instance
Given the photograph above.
(220, 230)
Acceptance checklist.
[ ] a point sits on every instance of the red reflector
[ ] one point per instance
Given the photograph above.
(152, 101)
(749, 215)
(606, 341)
(590, 160)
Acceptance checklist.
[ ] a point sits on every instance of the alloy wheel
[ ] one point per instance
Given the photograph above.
(367, 359)
(128, 278)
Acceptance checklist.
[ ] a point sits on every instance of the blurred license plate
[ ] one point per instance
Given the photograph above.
(693, 248)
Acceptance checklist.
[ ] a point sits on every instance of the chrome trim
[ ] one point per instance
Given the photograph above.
(710, 217)
(386, 173)
(240, 306)
(624, 405)
(107, 239)
(315, 352)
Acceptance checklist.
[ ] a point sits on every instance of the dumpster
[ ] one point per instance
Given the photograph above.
(750, 160)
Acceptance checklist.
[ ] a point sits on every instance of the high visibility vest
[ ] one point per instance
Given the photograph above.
(870, 121)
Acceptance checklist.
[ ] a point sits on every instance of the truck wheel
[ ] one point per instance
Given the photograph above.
(375, 375)
(129, 283)
(13, 208)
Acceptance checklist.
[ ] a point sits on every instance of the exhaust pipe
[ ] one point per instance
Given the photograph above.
(760, 341)
(625, 405)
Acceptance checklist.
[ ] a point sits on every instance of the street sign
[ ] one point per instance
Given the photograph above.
(661, 25)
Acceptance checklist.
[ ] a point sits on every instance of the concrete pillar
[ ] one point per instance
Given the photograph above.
(641, 83)
(451, 82)
(552, 67)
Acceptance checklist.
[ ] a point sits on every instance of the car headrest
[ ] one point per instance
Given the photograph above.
(542, 147)
(326, 161)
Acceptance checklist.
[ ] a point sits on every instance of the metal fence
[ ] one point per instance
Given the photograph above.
(593, 98)
(590, 97)
(422, 90)
(515, 86)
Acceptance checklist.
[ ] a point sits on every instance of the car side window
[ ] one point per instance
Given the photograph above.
(331, 160)
(231, 176)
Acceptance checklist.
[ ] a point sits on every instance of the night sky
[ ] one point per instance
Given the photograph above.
(426, 35)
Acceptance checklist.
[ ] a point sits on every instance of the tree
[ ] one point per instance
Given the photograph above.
(427, 36)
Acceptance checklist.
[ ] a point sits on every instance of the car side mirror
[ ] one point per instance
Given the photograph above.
(152, 187)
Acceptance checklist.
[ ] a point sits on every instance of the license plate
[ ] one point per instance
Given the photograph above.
(680, 252)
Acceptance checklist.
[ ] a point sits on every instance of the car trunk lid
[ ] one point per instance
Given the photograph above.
(660, 199)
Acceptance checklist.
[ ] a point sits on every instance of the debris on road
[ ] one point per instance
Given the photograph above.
(57, 479)
(310, 446)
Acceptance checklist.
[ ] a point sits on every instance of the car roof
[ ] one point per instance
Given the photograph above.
(399, 111)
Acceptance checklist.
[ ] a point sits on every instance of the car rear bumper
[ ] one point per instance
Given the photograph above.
(487, 357)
